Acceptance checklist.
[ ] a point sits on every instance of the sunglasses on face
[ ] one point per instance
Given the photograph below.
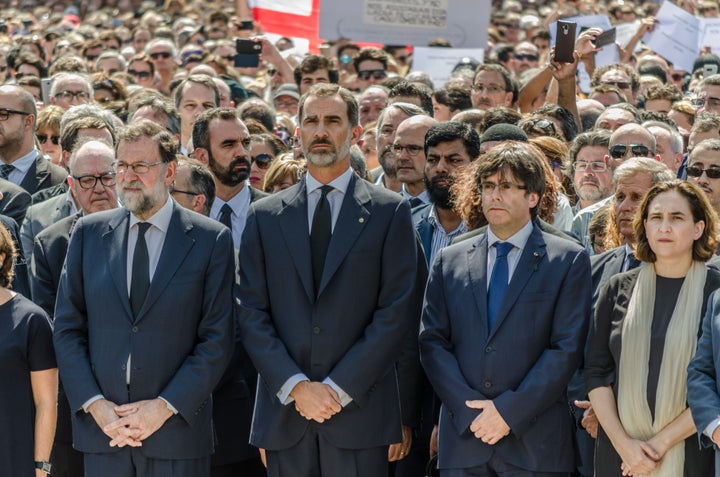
(262, 160)
(43, 138)
(139, 74)
(619, 84)
(162, 54)
(376, 74)
(638, 150)
(529, 57)
(695, 171)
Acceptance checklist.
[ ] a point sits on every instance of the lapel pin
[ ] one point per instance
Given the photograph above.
(361, 220)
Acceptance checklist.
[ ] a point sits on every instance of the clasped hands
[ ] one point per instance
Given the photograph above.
(129, 424)
(489, 426)
(316, 401)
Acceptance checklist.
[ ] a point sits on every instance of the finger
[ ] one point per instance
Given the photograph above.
(582, 404)
(476, 404)
(649, 451)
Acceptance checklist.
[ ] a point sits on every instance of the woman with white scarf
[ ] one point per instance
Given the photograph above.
(645, 332)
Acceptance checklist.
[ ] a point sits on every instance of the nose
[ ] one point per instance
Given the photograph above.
(442, 166)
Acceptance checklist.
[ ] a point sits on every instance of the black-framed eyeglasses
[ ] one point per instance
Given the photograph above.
(376, 74)
(139, 168)
(139, 74)
(69, 95)
(5, 113)
(262, 160)
(43, 138)
(160, 54)
(180, 191)
(638, 150)
(711, 172)
(411, 149)
(596, 166)
(88, 182)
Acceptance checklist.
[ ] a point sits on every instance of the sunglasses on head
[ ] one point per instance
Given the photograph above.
(262, 160)
(695, 171)
(43, 138)
(638, 150)
(376, 74)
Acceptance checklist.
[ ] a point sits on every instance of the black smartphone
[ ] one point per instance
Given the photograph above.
(247, 53)
(245, 25)
(605, 38)
(565, 41)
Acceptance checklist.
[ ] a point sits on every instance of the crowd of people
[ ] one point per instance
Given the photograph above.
(328, 265)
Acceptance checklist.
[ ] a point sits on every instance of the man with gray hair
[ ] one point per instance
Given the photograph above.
(708, 95)
(668, 143)
(70, 89)
(194, 186)
(703, 170)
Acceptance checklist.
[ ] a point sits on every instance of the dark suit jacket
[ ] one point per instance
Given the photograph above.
(523, 364)
(351, 333)
(604, 266)
(542, 225)
(15, 201)
(43, 174)
(180, 341)
(52, 191)
(38, 217)
(20, 281)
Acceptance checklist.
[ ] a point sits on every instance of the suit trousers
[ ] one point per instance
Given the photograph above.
(130, 462)
(314, 456)
(495, 467)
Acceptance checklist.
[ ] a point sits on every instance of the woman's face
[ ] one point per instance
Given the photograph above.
(260, 153)
(670, 227)
(49, 140)
(284, 184)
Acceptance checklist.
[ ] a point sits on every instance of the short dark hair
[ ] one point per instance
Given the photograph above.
(201, 128)
(323, 90)
(260, 111)
(204, 80)
(370, 53)
(562, 114)
(627, 69)
(200, 180)
(167, 144)
(448, 131)
(456, 99)
(313, 63)
(499, 115)
(413, 90)
(594, 137)
(509, 83)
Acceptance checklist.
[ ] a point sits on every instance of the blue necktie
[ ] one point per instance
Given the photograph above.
(498, 281)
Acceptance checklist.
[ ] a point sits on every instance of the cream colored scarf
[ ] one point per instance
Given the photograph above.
(680, 344)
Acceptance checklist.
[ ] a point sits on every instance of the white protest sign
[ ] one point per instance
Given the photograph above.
(624, 33)
(676, 36)
(439, 62)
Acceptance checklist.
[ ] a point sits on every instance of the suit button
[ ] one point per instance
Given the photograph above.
(134, 329)
(489, 349)
(316, 330)
(487, 384)
(124, 367)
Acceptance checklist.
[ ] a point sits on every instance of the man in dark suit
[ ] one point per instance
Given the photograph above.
(14, 201)
(325, 340)
(143, 321)
(20, 162)
(504, 324)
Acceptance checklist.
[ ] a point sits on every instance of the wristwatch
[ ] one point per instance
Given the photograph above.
(44, 466)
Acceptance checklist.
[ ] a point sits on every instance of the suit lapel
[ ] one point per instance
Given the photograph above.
(351, 220)
(115, 243)
(294, 227)
(532, 255)
(33, 177)
(477, 268)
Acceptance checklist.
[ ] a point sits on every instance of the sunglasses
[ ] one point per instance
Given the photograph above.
(262, 160)
(619, 84)
(140, 74)
(638, 150)
(162, 54)
(519, 56)
(695, 171)
(376, 74)
(43, 138)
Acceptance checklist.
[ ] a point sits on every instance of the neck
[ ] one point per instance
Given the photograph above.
(392, 183)
(414, 188)
(8, 156)
(448, 218)
(225, 193)
(328, 174)
(676, 267)
(586, 203)
(144, 216)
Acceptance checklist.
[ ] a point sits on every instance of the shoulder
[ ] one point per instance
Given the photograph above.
(197, 221)
(256, 194)
(557, 243)
(421, 213)
(24, 309)
(59, 228)
(607, 256)
(51, 203)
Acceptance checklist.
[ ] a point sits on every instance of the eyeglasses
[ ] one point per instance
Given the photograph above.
(706, 9)
(5, 113)
(139, 74)
(89, 182)
(638, 150)
(519, 56)
(160, 54)
(619, 84)
(412, 150)
(69, 95)
(695, 171)
(545, 125)
(582, 166)
(43, 138)
(229, 58)
(376, 74)
(488, 188)
(262, 160)
(490, 88)
(186, 192)
(91, 57)
(138, 168)
(709, 102)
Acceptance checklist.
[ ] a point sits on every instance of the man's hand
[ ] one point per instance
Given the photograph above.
(103, 411)
(489, 426)
(400, 450)
(139, 421)
(434, 441)
(316, 401)
(589, 420)
(716, 436)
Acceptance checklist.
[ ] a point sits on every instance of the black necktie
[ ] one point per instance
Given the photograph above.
(5, 170)
(498, 281)
(320, 234)
(140, 279)
(414, 202)
(632, 261)
(226, 216)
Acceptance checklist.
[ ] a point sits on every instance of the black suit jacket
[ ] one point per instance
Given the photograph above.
(15, 201)
(20, 282)
(43, 174)
(52, 191)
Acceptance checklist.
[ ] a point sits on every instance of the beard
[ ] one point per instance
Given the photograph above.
(387, 162)
(590, 191)
(229, 176)
(327, 159)
(141, 202)
(440, 195)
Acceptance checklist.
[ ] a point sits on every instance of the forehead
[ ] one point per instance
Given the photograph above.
(159, 48)
(393, 117)
(370, 65)
(526, 48)
(193, 90)
(144, 149)
(413, 133)
(493, 77)
(75, 84)
(705, 157)
(592, 153)
(94, 133)
(616, 114)
(373, 97)
(94, 160)
(321, 73)
(9, 99)
(109, 60)
(640, 182)
(448, 148)
(615, 75)
(220, 130)
(631, 137)
(671, 198)
(139, 64)
(325, 106)
(710, 90)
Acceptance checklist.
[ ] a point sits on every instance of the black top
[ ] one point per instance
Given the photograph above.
(25, 345)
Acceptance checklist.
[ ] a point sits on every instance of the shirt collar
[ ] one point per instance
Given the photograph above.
(236, 202)
(519, 239)
(341, 183)
(435, 222)
(23, 163)
(161, 218)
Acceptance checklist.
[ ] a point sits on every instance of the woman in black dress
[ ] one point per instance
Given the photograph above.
(645, 332)
(28, 373)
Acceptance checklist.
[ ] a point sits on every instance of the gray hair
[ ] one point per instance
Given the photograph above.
(658, 171)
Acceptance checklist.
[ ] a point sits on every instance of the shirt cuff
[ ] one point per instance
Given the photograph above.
(87, 403)
(284, 393)
(345, 398)
(169, 406)
(711, 428)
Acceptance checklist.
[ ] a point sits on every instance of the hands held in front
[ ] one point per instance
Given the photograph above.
(638, 457)
(401, 449)
(316, 401)
(489, 426)
(589, 420)
(129, 424)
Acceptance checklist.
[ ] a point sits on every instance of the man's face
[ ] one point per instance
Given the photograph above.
(195, 99)
(488, 91)
(699, 162)
(228, 157)
(71, 92)
(325, 131)
(526, 56)
(371, 105)
(628, 139)
(441, 112)
(661, 106)
(15, 128)
(663, 148)
(108, 66)
(370, 72)
(96, 163)
(26, 69)
(629, 193)
(507, 208)
(141, 73)
(592, 185)
(698, 137)
(613, 118)
(710, 94)
(161, 56)
(309, 79)
(622, 80)
(140, 40)
(143, 194)
(444, 161)
(286, 104)
(410, 160)
(386, 136)
(183, 193)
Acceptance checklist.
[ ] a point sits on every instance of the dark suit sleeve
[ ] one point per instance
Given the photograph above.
(41, 280)
(702, 375)
(599, 363)
(16, 205)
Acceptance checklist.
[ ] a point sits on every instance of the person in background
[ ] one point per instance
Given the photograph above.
(47, 132)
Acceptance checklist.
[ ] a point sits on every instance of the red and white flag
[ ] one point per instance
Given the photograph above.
(290, 18)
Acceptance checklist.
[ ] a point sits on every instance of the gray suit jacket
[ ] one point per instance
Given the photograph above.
(15, 201)
(39, 217)
(42, 174)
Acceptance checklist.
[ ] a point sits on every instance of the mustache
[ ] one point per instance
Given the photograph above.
(238, 161)
(321, 141)
(442, 177)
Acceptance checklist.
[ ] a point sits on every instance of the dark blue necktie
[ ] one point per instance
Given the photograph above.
(498, 281)
(633, 262)
(320, 234)
(226, 216)
(140, 279)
